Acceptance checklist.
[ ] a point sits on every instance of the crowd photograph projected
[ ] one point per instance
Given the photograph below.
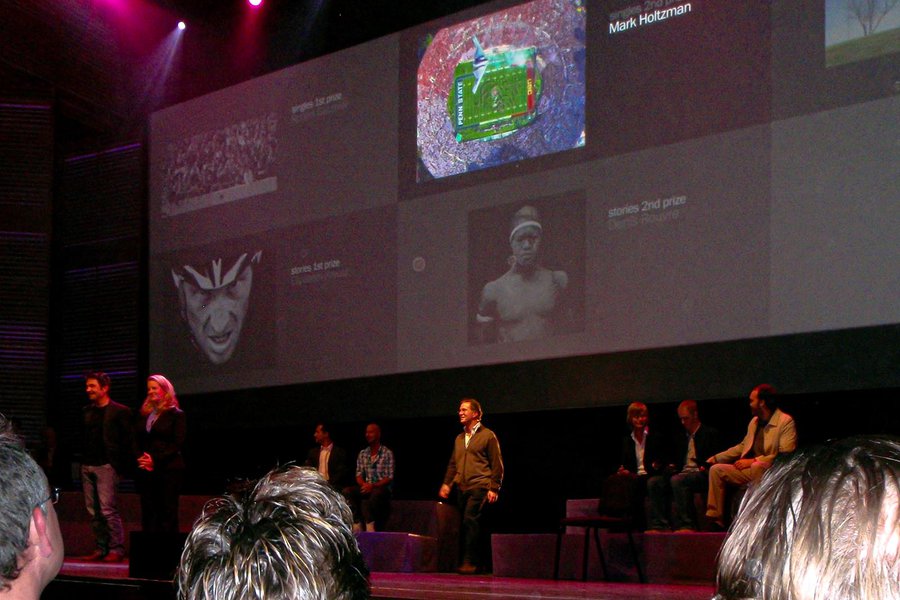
(502, 88)
(216, 167)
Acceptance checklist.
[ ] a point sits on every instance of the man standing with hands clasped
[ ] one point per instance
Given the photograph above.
(476, 469)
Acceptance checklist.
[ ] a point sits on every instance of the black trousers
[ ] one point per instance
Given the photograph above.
(159, 499)
(476, 542)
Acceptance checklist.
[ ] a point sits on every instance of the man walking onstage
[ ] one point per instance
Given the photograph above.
(109, 452)
(476, 468)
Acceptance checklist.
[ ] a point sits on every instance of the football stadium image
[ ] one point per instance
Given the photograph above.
(501, 88)
(495, 94)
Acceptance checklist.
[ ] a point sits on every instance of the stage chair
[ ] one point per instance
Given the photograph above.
(615, 513)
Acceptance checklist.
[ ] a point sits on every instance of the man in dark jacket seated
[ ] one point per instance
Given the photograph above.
(684, 476)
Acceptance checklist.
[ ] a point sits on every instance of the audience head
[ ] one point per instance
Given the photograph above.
(822, 524)
(31, 546)
(288, 538)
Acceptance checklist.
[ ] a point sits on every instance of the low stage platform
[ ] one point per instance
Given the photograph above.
(445, 586)
(110, 582)
(416, 559)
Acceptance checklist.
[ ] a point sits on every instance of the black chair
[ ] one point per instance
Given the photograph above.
(614, 513)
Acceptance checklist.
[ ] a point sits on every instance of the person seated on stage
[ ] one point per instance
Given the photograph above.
(822, 524)
(288, 538)
(370, 498)
(685, 476)
(770, 433)
(328, 458)
(641, 458)
(31, 545)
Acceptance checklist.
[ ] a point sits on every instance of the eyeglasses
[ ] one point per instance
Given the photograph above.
(53, 498)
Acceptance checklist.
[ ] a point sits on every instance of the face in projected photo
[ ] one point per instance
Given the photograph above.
(525, 302)
(214, 299)
(526, 244)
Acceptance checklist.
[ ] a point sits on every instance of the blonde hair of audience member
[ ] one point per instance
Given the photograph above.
(289, 538)
(821, 524)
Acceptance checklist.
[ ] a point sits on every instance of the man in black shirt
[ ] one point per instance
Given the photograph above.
(109, 451)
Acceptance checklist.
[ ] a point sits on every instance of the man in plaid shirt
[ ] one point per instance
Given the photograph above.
(371, 498)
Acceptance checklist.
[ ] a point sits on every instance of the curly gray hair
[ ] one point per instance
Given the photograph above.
(23, 487)
(290, 537)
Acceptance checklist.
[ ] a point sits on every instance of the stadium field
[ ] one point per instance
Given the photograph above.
(505, 100)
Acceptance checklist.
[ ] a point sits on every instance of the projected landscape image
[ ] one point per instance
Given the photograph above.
(501, 88)
(857, 30)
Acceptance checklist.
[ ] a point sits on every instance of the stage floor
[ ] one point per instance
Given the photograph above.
(412, 586)
(458, 587)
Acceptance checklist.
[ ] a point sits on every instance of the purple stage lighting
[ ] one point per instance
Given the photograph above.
(181, 25)
(255, 2)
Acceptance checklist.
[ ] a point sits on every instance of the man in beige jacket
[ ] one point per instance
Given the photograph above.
(770, 433)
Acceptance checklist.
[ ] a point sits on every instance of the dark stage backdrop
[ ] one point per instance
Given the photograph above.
(715, 186)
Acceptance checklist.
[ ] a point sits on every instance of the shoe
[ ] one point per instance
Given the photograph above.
(93, 556)
(114, 556)
(686, 530)
(655, 531)
(467, 569)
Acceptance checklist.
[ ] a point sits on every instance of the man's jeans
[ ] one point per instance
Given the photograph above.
(100, 484)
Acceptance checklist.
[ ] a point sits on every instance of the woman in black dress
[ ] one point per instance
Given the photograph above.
(161, 436)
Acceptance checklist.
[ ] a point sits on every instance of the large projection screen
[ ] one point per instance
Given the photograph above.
(532, 181)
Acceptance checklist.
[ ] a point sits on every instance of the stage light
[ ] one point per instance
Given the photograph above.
(255, 2)
(181, 25)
